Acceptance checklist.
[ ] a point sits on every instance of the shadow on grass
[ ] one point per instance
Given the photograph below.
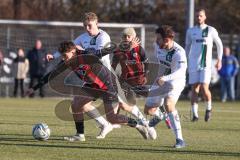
(149, 150)
(24, 138)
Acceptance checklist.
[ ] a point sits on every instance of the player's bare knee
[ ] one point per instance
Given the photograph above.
(149, 110)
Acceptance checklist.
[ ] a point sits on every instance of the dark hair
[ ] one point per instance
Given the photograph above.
(165, 31)
(201, 10)
(66, 46)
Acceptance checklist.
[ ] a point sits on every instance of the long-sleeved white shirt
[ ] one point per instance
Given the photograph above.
(97, 42)
(199, 43)
(173, 64)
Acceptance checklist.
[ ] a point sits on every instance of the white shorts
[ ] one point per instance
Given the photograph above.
(153, 100)
(201, 76)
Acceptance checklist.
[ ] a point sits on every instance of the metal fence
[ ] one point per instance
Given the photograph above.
(16, 34)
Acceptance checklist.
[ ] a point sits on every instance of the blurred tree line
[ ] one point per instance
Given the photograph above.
(222, 14)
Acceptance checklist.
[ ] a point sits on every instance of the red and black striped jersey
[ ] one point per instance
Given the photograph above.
(90, 73)
(132, 64)
(87, 67)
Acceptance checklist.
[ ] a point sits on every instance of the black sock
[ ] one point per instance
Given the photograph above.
(132, 122)
(79, 127)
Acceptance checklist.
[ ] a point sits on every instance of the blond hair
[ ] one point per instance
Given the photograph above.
(90, 16)
(130, 31)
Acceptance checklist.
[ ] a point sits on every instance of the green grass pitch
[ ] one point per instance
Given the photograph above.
(217, 139)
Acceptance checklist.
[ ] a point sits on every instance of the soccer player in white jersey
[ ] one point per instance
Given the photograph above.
(172, 59)
(199, 43)
(93, 39)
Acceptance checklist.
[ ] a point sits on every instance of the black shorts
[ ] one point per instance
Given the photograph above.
(109, 96)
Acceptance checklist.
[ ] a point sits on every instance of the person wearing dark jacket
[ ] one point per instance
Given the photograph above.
(227, 74)
(37, 65)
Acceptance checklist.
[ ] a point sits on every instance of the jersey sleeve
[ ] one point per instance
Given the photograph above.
(218, 43)
(78, 40)
(178, 67)
(45, 79)
(188, 42)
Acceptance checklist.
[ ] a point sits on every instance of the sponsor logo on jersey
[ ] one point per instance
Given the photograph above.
(200, 40)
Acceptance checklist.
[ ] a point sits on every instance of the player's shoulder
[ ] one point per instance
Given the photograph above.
(82, 36)
(179, 49)
(103, 34)
(211, 28)
(191, 29)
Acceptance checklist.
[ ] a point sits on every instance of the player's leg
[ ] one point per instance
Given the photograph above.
(170, 103)
(78, 118)
(115, 118)
(131, 107)
(208, 99)
(93, 113)
(194, 79)
(194, 100)
(155, 104)
(205, 79)
(152, 108)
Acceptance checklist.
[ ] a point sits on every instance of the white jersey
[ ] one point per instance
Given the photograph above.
(95, 42)
(174, 63)
(199, 43)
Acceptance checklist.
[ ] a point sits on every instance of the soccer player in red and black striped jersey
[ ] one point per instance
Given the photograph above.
(98, 82)
(132, 59)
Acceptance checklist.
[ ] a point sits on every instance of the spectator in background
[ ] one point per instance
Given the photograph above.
(20, 69)
(37, 65)
(227, 74)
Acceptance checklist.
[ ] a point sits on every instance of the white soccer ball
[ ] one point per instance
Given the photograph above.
(41, 131)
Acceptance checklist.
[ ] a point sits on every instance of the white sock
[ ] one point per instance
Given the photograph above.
(161, 101)
(176, 125)
(158, 113)
(102, 121)
(94, 114)
(195, 109)
(138, 114)
(209, 105)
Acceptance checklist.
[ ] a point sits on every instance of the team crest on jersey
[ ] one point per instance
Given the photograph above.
(135, 55)
(82, 69)
(93, 41)
(169, 57)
